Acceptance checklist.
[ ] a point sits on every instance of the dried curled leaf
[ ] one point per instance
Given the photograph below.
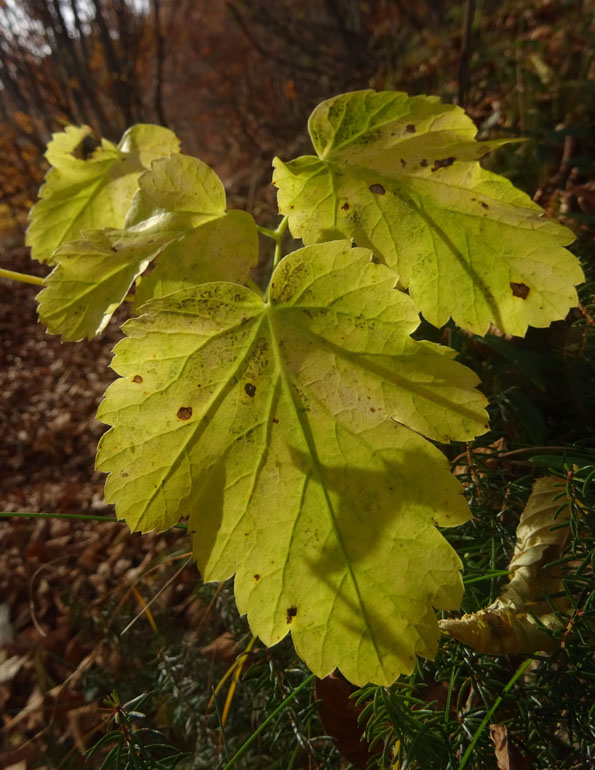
(515, 622)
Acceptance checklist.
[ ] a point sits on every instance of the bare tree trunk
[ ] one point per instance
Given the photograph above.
(159, 59)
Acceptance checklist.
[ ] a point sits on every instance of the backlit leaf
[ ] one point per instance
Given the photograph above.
(179, 216)
(92, 278)
(291, 432)
(401, 176)
(88, 193)
(182, 193)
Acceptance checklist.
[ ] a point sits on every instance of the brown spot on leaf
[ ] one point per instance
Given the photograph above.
(423, 162)
(519, 290)
(345, 206)
(114, 248)
(257, 577)
(137, 378)
(484, 205)
(275, 420)
(377, 189)
(443, 163)
(410, 128)
(250, 389)
(184, 413)
(403, 162)
(291, 613)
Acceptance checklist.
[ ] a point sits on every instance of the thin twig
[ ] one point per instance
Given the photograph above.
(157, 595)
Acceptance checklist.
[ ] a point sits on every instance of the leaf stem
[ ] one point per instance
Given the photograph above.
(243, 749)
(267, 232)
(486, 720)
(277, 236)
(21, 277)
(279, 232)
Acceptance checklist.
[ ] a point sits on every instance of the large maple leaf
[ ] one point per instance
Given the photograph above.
(401, 176)
(292, 432)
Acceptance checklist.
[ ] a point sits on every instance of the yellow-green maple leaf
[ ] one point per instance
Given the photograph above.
(95, 192)
(292, 434)
(178, 216)
(401, 176)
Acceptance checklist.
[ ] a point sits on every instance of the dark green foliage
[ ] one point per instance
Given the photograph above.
(128, 746)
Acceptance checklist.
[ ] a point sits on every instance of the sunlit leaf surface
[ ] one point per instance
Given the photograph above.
(91, 189)
(292, 434)
(179, 215)
(401, 176)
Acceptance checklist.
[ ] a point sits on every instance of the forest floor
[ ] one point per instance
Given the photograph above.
(68, 588)
(63, 583)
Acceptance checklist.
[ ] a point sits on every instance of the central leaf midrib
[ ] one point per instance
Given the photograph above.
(95, 189)
(408, 197)
(361, 361)
(310, 442)
(202, 424)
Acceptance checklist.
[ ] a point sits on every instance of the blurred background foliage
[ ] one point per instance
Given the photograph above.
(236, 81)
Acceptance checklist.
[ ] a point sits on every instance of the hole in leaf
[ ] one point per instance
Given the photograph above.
(86, 147)
(184, 412)
(443, 163)
(250, 389)
(519, 290)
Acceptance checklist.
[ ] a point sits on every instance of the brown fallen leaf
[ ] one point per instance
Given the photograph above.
(223, 648)
(507, 754)
(339, 715)
(514, 623)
